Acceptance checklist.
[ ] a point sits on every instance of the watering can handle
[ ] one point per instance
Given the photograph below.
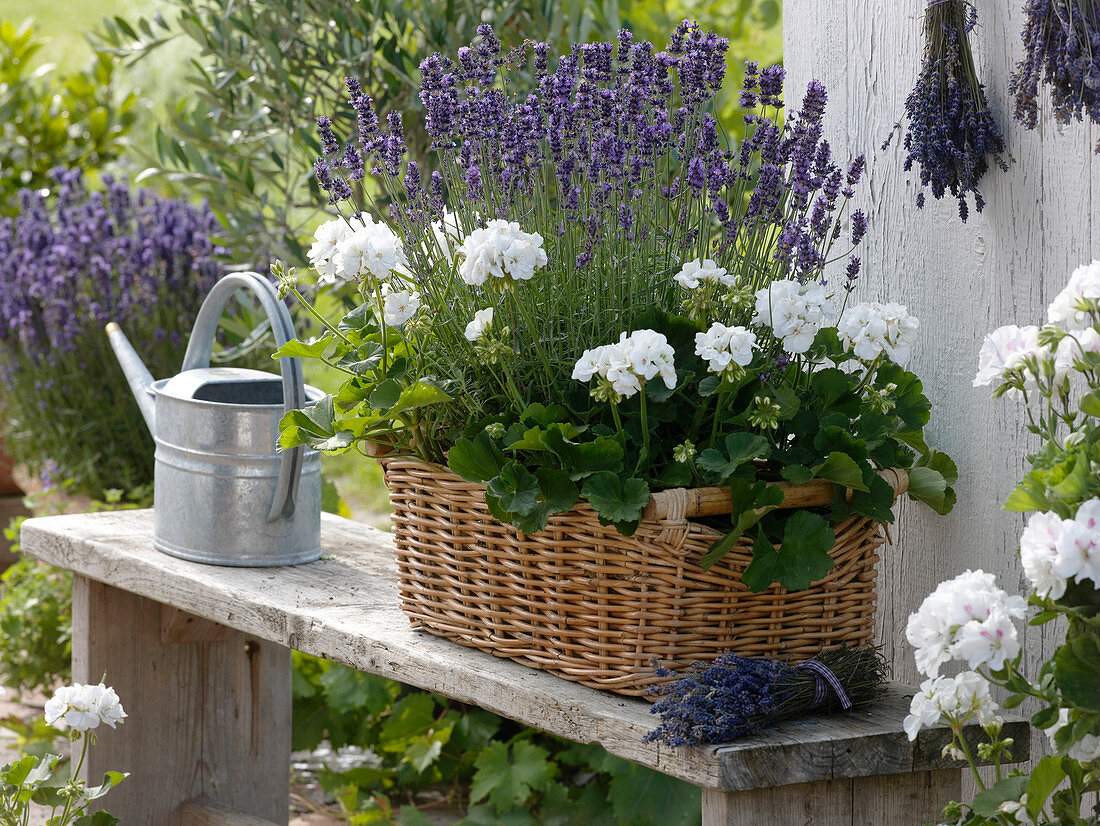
(201, 345)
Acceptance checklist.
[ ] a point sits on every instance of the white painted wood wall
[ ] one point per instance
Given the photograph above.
(962, 281)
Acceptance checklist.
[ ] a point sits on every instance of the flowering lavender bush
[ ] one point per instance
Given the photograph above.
(1062, 52)
(952, 135)
(1056, 370)
(73, 260)
(596, 296)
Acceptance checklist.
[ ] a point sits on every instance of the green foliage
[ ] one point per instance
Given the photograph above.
(507, 774)
(35, 622)
(49, 118)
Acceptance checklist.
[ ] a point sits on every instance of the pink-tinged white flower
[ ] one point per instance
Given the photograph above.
(1072, 347)
(1039, 554)
(1069, 308)
(871, 329)
(500, 250)
(1078, 545)
(723, 347)
(83, 707)
(698, 271)
(398, 305)
(639, 357)
(795, 312)
(1006, 348)
(955, 699)
(483, 320)
(967, 618)
(372, 250)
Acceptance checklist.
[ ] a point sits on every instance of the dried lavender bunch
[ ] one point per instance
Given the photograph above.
(72, 261)
(734, 696)
(952, 134)
(1061, 50)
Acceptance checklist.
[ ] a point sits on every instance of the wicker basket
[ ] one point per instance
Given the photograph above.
(581, 601)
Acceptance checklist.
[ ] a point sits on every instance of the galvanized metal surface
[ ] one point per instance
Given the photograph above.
(223, 495)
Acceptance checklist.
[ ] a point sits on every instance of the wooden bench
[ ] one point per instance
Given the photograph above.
(200, 656)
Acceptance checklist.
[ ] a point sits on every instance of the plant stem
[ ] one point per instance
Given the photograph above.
(313, 312)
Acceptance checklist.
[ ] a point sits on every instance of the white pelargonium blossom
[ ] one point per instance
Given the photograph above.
(967, 618)
(955, 699)
(500, 250)
(871, 329)
(1017, 809)
(1072, 347)
(1083, 286)
(697, 271)
(483, 320)
(722, 347)
(1006, 348)
(1085, 750)
(641, 356)
(398, 306)
(1078, 545)
(794, 311)
(83, 707)
(372, 249)
(1039, 554)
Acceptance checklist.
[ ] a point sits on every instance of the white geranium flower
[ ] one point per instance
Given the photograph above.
(500, 250)
(1039, 554)
(697, 271)
(641, 356)
(871, 329)
(483, 320)
(1083, 286)
(722, 346)
(373, 249)
(83, 707)
(794, 311)
(967, 617)
(1078, 545)
(956, 699)
(1018, 810)
(1004, 349)
(1072, 347)
(398, 306)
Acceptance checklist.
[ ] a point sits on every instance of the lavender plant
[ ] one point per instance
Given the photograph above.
(952, 135)
(733, 696)
(73, 260)
(597, 295)
(1062, 52)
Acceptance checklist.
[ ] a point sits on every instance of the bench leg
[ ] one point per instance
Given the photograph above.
(208, 708)
(887, 800)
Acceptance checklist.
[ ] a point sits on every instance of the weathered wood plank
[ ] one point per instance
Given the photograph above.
(344, 608)
(206, 719)
(892, 800)
(209, 813)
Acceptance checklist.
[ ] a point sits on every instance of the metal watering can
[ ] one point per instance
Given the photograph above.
(222, 494)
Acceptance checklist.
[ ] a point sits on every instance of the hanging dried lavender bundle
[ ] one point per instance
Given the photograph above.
(1062, 50)
(734, 696)
(952, 134)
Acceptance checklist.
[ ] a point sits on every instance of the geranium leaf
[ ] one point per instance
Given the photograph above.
(801, 559)
(1090, 404)
(475, 460)
(1045, 778)
(739, 448)
(841, 469)
(614, 499)
(1075, 668)
(418, 394)
(301, 349)
(515, 489)
(579, 460)
(987, 802)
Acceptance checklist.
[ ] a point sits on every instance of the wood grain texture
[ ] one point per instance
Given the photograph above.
(209, 813)
(205, 719)
(892, 800)
(344, 608)
(961, 280)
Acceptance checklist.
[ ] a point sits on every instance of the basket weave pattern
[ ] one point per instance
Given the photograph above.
(581, 601)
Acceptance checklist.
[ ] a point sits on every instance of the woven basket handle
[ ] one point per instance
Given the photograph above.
(717, 501)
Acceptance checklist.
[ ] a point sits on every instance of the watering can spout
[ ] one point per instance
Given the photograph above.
(139, 377)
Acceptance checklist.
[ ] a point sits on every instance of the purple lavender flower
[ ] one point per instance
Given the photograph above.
(329, 144)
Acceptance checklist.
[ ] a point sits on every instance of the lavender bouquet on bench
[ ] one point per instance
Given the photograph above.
(733, 696)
